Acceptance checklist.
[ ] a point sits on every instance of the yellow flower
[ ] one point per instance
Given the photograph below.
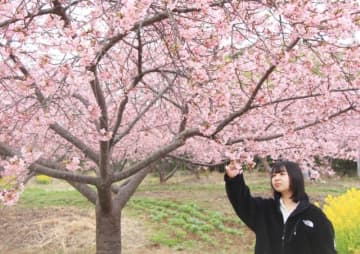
(344, 212)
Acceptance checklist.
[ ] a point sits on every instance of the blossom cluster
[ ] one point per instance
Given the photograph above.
(344, 212)
(9, 197)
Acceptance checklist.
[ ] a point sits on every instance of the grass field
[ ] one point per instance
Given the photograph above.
(184, 215)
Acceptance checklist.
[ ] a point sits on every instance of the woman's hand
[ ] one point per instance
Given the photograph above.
(233, 169)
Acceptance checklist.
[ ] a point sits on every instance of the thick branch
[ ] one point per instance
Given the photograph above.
(104, 125)
(178, 141)
(184, 111)
(100, 99)
(86, 191)
(126, 191)
(76, 142)
(65, 175)
(6, 150)
(60, 10)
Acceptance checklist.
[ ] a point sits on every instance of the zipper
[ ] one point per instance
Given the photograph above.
(293, 233)
(283, 239)
(299, 209)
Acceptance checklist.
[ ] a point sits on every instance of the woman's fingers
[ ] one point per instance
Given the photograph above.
(232, 169)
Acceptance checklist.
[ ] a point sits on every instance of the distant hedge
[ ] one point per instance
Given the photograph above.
(344, 167)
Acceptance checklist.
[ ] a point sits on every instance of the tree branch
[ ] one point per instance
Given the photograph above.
(304, 97)
(58, 9)
(126, 191)
(142, 113)
(104, 125)
(177, 142)
(146, 22)
(299, 128)
(247, 106)
(65, 134)
(56, 127)
(100, 99)
(41, 167)
(85, 190)
(199, 163)
(65, 175)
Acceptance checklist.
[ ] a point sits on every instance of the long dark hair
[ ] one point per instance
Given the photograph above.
(296, 177)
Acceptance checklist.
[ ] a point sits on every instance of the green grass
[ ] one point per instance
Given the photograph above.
(37, 197)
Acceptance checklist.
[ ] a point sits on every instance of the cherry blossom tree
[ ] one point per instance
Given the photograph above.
(93, 92)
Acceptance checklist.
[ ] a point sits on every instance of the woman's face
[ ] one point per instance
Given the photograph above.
(281, 182)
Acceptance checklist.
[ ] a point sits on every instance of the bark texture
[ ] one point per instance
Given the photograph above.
(108, 231)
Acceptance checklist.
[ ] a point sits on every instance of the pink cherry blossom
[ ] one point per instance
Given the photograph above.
(114, 82)
(73, 164)
(104, 135)
(94, 112)
(9, 197)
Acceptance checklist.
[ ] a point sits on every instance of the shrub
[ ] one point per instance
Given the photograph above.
(344, 212)
(43, 179)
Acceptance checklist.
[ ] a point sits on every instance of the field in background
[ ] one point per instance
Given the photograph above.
(184, 215)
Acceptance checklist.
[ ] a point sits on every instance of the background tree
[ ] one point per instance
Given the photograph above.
(113, 86)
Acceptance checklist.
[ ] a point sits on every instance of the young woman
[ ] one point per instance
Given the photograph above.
(287, 223)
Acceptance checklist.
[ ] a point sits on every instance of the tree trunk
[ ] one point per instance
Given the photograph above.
(108, 231)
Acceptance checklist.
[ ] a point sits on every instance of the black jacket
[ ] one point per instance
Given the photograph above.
(306, 231)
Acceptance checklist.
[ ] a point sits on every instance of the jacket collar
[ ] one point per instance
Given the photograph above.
(302, 206)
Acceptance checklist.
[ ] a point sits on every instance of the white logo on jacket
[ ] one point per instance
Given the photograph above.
(309, 223)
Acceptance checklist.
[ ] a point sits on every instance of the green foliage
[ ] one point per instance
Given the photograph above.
(163, 238)
(190, 221)
(344, 167)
